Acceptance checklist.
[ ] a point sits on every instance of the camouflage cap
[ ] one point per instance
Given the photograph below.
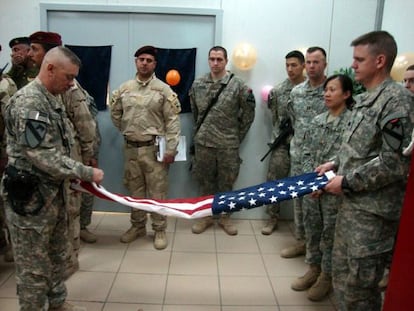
(43, 37)
(147, 49)
(19, 40)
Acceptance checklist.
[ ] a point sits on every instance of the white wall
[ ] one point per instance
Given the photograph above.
(273, 27)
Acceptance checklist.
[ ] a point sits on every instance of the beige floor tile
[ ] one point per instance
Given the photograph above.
(306, 308)
(107, 239)
(274, 243)
(89, 286)
(138, 288)
(115, 222)
(192, 290)
(278, 266)
(110, 306)
(154, 262)
(90, 306)
(6, 270)
(189, 263)
(189, 242)
(98, 259)
(288, 297)
(8, 288)
(246, 291)
(237, 244)
(184, 226)
(240, 265)
(190, 308)
(96, 219)
(250, 308)
(9, 304)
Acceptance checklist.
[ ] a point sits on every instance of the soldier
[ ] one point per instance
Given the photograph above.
(219, 131)
(371, 175)
(323, 140)
(305, 102)
(409, 78)
(23, 70)
(7, 89)
(279, 163)
(76, 102)
(38, 145)
(142, 109)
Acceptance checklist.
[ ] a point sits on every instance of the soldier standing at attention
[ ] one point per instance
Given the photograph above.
(76, 103)
(142, 109)
(219, 131)
(371, 175)
(305, 103)
(39, 138)
(7, 89)
(279, 163)
(23, 69)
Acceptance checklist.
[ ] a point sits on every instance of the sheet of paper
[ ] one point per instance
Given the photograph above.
(181, 148)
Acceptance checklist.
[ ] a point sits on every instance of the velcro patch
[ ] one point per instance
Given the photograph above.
(36, 126)
(393, 133)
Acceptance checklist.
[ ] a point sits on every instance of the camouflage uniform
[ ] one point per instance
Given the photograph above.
(22, 74)
(372, 163)
(142, 111)
(319, 215)
(77, 108)
(39, 239)
(7, 89)
(217, 161)
(279, 162)
(304, 104)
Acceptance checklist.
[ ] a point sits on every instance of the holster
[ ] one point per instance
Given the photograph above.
(20, 186)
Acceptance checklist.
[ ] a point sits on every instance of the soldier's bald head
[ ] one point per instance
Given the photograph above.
(60, 55)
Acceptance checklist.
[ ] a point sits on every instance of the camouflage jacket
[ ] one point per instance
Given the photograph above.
(142, 110)
(7, 89)
(39, 138)
(229, 119)
(22, 75)
(371, 157)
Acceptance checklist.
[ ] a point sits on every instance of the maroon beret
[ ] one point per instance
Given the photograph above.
(43, 37)
(147, 49)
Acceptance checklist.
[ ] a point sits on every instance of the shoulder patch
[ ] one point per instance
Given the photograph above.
(393, 133)
(250, 98)
(174, 102)
(36, 127)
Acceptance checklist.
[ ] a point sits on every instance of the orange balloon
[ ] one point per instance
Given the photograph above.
(173, 77)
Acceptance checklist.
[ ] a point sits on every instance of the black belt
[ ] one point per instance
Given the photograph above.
(138, 144)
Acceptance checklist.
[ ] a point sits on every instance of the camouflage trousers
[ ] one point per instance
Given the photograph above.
(215, 169)
(145, 177)
(279, 167)
(296, 169)
(319, 218)
(73, 204)
(86, 210)
(40, 243)
(360, 254)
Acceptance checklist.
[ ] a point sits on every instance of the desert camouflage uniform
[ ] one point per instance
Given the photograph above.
(7, 89)
(279, 162)
(376, 171)
(217, 161)
(142, 111)
(40, 238)
(304, 104)
(322, 142)
(76, 103)
(22, 75)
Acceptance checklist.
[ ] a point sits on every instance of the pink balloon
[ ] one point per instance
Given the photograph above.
(265, 92)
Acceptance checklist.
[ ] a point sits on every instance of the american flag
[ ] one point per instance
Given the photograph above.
(226, 202)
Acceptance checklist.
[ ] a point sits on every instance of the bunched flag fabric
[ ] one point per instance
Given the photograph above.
(226, 202)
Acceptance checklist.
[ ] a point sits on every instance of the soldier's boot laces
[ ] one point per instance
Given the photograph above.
(270, 226)
(308, 279)
(202, 224)
(133, 233)
(160, 240)
(321, 288)
(87, 236)
(67, 307)
(296, 250)
(227, 226)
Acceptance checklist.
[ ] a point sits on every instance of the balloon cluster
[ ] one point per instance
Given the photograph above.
(402, 61)
(244, 56)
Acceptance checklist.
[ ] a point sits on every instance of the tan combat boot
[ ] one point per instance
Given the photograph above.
(308, 279)
(87, 236)
(227, 226)
(67, 307)
(70, 269)
(160, 240)
(296, 250)
(133, 233)
(270, 226)
(321, 288)
(202, 224)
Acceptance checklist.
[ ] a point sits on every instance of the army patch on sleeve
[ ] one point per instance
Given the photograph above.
(36, 127)
(393, 133)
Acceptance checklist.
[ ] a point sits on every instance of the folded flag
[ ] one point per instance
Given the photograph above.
(226, 202)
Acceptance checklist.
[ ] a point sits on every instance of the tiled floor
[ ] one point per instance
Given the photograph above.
(207, 272)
